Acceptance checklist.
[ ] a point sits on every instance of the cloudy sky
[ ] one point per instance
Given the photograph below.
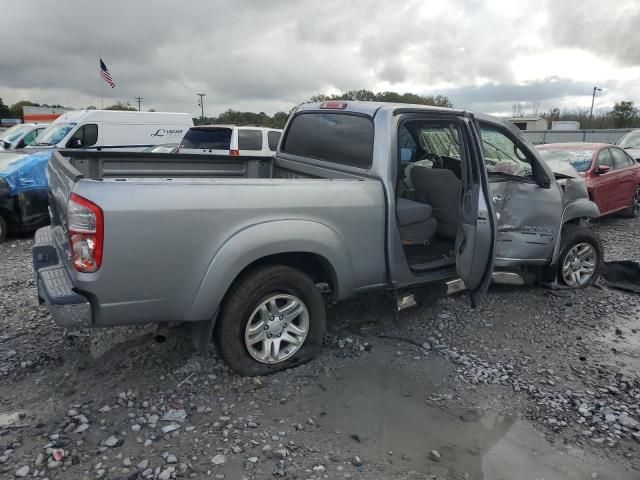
(271, 55)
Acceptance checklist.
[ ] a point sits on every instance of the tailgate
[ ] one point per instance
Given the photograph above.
(61, 176)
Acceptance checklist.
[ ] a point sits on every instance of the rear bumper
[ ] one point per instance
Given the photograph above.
(55, 288)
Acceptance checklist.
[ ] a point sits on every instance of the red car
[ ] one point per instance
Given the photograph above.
(611, 175)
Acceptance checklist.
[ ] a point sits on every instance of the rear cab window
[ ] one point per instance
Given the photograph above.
(249, 139)
(207, 139)
(341, 138)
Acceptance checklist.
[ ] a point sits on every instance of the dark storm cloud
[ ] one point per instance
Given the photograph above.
(272, 55)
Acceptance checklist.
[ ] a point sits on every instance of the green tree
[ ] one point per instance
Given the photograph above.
(623, 114)
(395, 97)
(4, 110)
(279, 119)
(122, 106)
(16, 108)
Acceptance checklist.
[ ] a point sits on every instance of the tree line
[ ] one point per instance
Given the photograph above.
(624, 114)
(279, 119)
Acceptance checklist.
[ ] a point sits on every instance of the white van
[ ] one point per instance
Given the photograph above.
(21, 135)
(113, 129)
(231, 140)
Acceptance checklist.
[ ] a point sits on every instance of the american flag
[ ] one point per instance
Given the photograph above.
(104, 73)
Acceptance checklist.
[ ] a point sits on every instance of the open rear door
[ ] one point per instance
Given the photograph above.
(475, 241)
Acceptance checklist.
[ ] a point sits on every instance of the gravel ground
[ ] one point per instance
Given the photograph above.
(546, 382)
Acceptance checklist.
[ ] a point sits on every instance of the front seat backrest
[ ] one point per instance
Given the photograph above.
(441, 189)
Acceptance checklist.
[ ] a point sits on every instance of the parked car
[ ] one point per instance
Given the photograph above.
(630, 142)
(113, 129)
(248, 257)
(231, 140)
(163, 148)
(23, 192)
(611, 175)
(19, 136)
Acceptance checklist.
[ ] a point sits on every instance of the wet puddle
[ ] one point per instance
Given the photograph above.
(386, 411)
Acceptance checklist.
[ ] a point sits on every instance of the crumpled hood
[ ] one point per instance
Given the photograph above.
(562, 168)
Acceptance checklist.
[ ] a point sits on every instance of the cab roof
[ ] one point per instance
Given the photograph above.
(370, 108)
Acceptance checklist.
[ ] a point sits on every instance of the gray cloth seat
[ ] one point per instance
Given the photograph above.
(441, 189)
(415, 221)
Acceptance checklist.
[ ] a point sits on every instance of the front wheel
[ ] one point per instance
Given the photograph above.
(273, 318)
(580, 256)
(633, 211)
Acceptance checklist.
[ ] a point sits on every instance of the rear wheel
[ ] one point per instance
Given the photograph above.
(633, 211)
(273, 318)
(3, 229)
(580, 256)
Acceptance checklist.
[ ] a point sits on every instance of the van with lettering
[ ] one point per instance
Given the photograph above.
(113, 130)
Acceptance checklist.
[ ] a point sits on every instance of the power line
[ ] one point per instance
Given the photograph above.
(139, 100)
(201, 104)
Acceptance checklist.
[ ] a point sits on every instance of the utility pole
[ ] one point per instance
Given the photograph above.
(201, 104)
(593, 98)
(139, 100)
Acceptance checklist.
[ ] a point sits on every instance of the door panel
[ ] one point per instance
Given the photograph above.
(528, 215)
(625, 185)
(525, 234)
(603, 184)
(475, 241)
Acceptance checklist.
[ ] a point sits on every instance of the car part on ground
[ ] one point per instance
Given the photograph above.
(624, 275)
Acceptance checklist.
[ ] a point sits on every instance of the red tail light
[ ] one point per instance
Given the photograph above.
(85, 224)
(234, 153)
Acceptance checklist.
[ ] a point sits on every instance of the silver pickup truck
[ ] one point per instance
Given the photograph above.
(360, 196)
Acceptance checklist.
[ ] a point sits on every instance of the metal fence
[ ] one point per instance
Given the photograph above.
(610, 135)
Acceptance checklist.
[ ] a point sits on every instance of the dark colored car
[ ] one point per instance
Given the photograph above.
(23, 192)
(612, 176)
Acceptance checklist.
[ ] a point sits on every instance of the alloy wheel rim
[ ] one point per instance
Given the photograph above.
(636, 202)
(579, 264)
(277, 328)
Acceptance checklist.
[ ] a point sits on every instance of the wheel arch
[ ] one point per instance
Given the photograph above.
(574, 214)
(309, 246)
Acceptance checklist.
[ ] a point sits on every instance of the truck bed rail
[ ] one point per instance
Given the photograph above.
(95, 165)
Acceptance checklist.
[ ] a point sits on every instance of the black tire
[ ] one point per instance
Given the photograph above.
(245, 295)
(3, 229)
(573, 235)
(633, 211)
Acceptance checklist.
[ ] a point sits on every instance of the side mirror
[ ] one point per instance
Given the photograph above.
(600, 169)
(75, 142)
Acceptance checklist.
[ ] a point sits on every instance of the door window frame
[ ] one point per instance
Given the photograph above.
(464, 147)
(624, 154)
(538, 174)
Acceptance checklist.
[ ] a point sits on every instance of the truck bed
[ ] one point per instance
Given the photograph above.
(178, 228)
